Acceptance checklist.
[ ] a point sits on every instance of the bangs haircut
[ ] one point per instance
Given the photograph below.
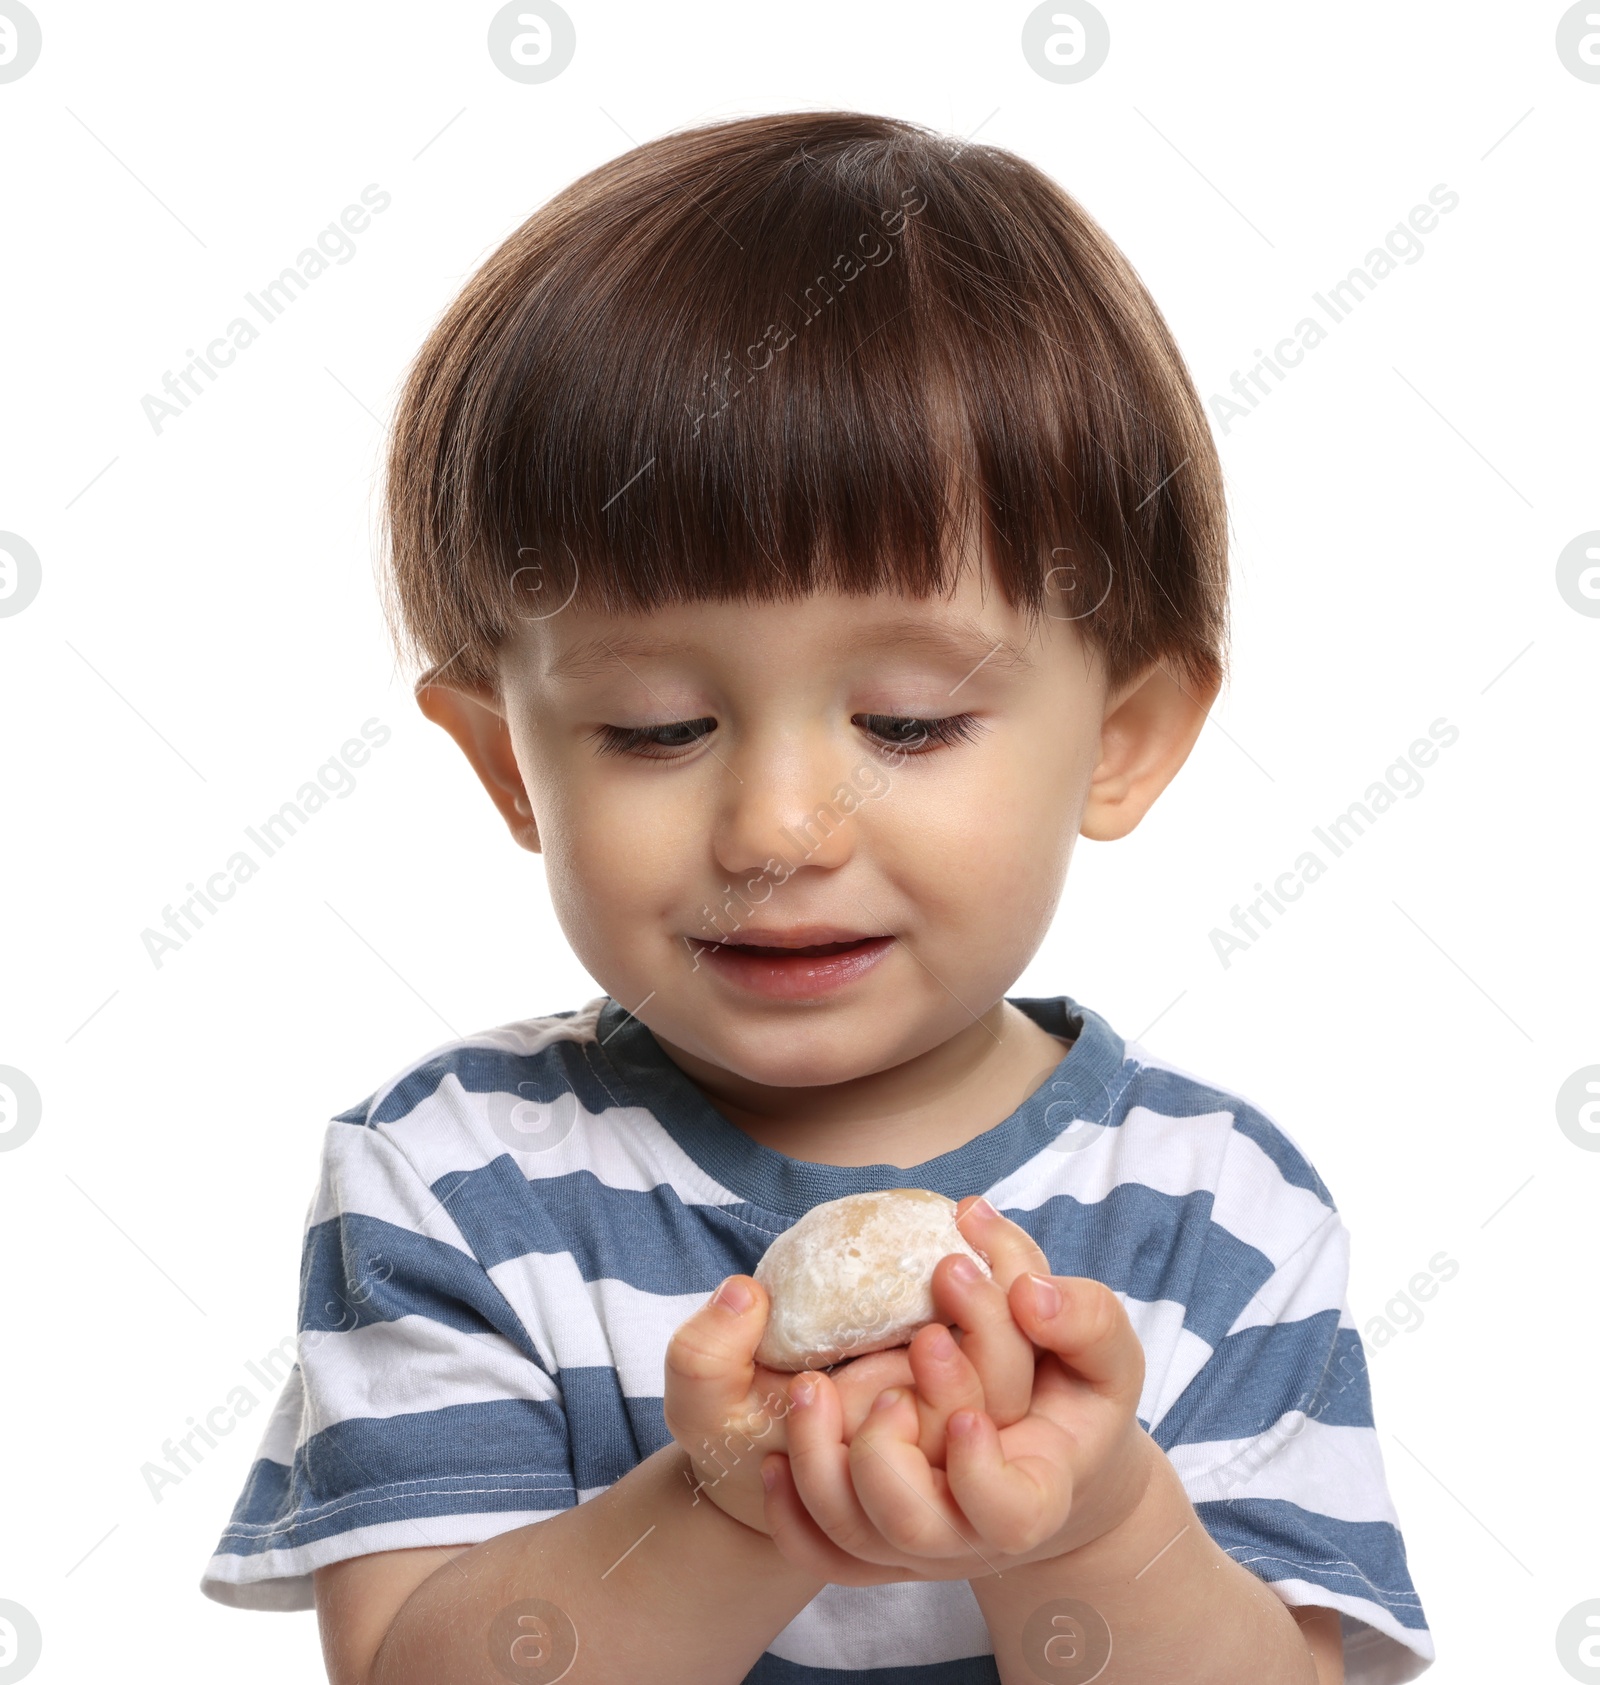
(808, 350)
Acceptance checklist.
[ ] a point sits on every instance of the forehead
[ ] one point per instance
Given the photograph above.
(971, 626)
(956, 639)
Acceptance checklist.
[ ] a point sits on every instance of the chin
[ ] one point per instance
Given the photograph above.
(782, 1057)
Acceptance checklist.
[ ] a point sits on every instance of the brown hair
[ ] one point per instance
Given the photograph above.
(804, 350)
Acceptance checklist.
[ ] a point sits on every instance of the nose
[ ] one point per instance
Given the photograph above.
(786, 799)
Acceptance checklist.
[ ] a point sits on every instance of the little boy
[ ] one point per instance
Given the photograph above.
(809, 529)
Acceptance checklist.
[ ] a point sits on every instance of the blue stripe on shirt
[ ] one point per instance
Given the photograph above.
(1313, 1364)
(969, 1670)
(357, 1270)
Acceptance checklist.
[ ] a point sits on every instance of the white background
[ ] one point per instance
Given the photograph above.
(207, 634)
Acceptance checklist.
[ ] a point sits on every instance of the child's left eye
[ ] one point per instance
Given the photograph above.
(918, 736)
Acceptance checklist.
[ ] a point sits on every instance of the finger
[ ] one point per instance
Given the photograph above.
(999, 1351)
(819, 1464)
(802, 1543)
(1014, 1506)
(1083, 1322)
(906, 1502)
(710, 1367)
(1009, 1248)
(861, 1379)
(946, 1381)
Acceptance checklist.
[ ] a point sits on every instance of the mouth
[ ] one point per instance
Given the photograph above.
(796, 964)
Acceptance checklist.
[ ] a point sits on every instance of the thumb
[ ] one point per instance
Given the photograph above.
(710, 1360)
(1084, 1323)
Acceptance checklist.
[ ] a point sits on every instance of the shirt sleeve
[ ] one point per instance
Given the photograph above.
(1274, 1437)
(417, 1409)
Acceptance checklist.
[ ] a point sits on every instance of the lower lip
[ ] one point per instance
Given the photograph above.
(780, 976)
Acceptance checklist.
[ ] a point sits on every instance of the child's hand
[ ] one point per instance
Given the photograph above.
(718, 1399)
(875, 1508)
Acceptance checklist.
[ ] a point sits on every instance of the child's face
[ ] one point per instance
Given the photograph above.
(712, 775)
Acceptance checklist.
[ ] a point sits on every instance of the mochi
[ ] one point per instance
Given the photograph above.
(855, 1275)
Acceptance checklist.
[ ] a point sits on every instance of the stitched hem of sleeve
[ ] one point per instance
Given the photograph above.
(1379, 1650)
(403, 1500)
(281, 1580)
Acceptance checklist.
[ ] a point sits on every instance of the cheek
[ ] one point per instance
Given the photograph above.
(612, 854)
(995, 833)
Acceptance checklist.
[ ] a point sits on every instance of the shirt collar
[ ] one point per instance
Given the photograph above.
(1084, 1085)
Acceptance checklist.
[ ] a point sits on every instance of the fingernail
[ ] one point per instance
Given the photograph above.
(1046, 1298)
(769, 1476)
(941, 1345)
(734, 1296)
(964, 1270)
(802, 1392)
(983, 1208)
(887, 1400)
(963, 1424)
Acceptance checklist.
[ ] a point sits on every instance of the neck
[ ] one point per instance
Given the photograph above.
(927, 1106)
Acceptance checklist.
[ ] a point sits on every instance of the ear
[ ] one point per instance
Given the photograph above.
(475, 717)
(1150, 726)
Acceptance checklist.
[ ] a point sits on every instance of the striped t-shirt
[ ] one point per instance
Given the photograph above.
(506, 1235)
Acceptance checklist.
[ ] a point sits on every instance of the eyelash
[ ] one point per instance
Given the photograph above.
(641, 740)
(929, 733)
(938, 734)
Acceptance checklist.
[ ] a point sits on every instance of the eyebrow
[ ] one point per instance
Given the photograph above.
(958, 640)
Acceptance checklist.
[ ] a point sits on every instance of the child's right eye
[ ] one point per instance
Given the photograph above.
(652, 742)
